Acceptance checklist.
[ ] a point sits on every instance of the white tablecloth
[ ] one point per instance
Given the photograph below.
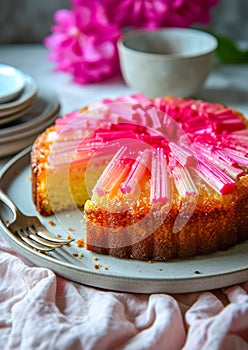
(39, 310)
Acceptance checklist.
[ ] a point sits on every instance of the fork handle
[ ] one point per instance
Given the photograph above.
(5, 199)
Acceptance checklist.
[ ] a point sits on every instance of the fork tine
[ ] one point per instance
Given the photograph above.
(46, 236)
(42, 232)
(30, 229)
(34, 244)
(31, 232)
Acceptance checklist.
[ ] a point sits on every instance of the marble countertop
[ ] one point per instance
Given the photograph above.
(226, 83)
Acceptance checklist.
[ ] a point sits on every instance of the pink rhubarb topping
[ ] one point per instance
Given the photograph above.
(217, 146)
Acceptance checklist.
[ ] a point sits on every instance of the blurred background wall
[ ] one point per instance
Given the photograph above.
(23, 21)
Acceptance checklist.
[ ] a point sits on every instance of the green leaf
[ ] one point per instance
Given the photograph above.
(228, 51)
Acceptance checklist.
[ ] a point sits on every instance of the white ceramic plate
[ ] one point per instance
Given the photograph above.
(27, 94)
(216, 270)
(20, 141)
(10, 118)
(12, 82)
(45, 106)
(16, 137)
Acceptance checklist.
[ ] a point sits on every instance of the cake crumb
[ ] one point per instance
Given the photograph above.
(7, 221)
(95, 258)
(97, 266)
(80, 255)
(80, 243)
(197, 272)
(105, 268)
(51, 223)
(150, 262)
(59, 235)
(71, 229)
(75, 254)
(69, 238)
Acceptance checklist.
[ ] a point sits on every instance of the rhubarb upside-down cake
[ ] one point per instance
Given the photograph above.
(156, 179)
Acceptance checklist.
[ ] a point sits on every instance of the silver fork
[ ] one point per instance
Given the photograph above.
(31, 230)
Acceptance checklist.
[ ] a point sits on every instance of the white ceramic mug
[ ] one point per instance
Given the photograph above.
(171, 61)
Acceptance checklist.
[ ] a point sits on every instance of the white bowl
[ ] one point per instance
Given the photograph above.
(12, 83)
(171, 61)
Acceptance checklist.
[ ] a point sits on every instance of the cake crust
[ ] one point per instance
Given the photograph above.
(39, 161)
(212, 227)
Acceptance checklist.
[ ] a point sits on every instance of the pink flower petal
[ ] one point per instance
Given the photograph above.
(159, 13)
(91, 53)
(64, 18)
(84, 43)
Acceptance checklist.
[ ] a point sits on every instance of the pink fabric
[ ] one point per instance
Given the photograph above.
(39, 310)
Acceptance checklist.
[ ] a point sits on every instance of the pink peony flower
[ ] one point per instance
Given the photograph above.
(83, 42)
(84, 39)
(158, 13)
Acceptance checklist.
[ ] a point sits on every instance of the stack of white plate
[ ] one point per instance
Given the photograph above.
(25, 110)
